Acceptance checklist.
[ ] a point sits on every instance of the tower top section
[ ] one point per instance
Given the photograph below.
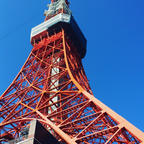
(56, 7)
(58, 17)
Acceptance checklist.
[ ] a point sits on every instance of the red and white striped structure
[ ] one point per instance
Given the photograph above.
(52, 87)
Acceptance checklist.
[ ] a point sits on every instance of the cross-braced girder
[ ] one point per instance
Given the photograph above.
(52, 87)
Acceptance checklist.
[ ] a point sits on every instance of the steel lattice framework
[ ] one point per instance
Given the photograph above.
(52, 87)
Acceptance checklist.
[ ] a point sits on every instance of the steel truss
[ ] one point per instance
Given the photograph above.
(52, 87)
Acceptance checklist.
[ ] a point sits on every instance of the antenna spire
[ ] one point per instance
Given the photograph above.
(56, 7)
(58, 0)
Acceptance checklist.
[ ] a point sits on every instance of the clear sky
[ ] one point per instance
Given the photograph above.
(114, 63)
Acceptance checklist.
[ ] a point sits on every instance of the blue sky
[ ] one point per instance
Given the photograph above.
(114, 63)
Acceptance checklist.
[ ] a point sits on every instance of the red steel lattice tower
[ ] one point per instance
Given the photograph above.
(52, 87)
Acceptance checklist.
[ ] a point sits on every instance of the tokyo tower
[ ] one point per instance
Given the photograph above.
(52, 88)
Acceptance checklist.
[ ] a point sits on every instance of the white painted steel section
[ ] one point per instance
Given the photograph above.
(55, 82)
(54, 7)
